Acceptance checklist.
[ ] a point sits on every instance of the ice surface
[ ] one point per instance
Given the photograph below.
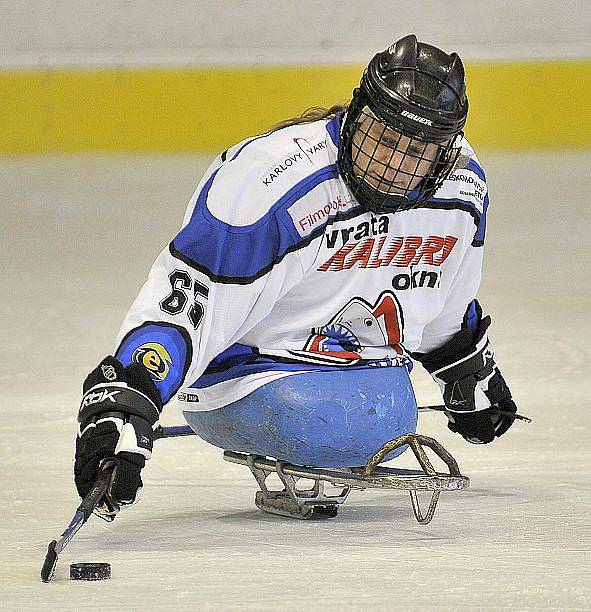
(79, 234)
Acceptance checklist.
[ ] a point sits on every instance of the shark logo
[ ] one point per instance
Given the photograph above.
(359, 326)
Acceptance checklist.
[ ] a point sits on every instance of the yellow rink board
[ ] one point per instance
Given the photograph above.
(513, 104)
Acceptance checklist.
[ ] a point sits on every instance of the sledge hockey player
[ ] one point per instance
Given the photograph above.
(314, 263)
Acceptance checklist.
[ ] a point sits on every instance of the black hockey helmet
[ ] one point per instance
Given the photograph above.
(401, 135)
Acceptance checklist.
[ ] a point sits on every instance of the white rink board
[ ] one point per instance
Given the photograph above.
(184, 33)
(79, 236)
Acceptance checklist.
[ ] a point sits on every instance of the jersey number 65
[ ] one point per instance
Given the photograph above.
(176, 301)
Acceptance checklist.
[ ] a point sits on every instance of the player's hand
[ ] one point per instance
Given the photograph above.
(474, 390)
(483, 426)
(476, 403)
(119, 409)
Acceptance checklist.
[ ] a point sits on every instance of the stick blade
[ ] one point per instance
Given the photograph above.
(50, 562)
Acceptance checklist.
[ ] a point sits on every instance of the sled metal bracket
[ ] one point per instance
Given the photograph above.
(416, 442)
(306, 503)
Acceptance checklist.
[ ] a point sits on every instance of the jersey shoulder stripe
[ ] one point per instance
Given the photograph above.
(239, 223)
(241, 254)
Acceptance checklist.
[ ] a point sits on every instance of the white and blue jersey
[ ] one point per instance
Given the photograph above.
(277, 270)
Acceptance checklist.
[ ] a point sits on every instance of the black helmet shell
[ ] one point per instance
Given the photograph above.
(419, 92)
(418, 89)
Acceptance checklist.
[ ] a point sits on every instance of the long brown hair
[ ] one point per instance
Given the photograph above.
(315, 113)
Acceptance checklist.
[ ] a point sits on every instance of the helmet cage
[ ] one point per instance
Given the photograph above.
(388, 165)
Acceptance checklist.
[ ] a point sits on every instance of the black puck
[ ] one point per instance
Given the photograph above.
(90, 571)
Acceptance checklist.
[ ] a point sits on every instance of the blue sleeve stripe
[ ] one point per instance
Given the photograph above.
(466, 206)
(472, 317)
(481, 231)
(240, 255)
(164, 349)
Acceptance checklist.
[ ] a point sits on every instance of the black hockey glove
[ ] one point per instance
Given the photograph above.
(119, 409)
(474, 390)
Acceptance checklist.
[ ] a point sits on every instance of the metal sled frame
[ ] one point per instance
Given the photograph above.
(314, 502)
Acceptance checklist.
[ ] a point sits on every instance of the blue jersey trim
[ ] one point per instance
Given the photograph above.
(481, 231)
(466, 205)
(453, 204)
(240, 360)
(233, 355)
(333, 127)
(244, 145)
(477, 169)
(265, 364)
(177, 343)
(472, 317)
(226, 253)
(290, 197)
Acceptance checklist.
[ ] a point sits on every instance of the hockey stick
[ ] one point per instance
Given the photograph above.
(83, 512)
(177, 431)
(174, 431)
(513, 415)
